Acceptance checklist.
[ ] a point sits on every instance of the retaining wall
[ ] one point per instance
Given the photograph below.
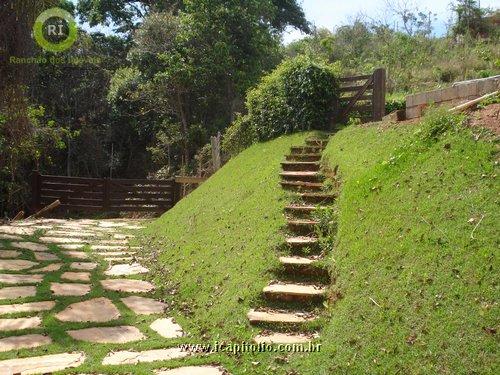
(458, 92)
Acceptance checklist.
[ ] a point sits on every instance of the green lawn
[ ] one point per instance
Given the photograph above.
(414, 260)
(416, 256)
(214, 251)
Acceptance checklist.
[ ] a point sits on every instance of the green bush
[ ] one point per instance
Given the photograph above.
(395, 104)
(238, 136)
(300, 94)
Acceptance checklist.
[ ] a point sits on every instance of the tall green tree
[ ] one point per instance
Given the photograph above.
(470, 18)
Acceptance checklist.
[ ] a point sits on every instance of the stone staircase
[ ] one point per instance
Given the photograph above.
(290, 302)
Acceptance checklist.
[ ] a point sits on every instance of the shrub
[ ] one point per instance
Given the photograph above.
(300, 94)
(395, 104)
(240, 135)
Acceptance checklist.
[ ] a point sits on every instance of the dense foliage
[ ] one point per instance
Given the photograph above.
(300, 94)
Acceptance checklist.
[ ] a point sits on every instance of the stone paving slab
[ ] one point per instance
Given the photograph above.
(108, 335)
(41, 365)
(76, 276)
(61, 240)
(6, 254)
(126, 270)
(79, 233)
(20, 279)
(110, 247)
(75, 246)
(23, 342)
(33, 246)
(126, 357)
(143, 305)
(50, 268)
(83, 266)
(16, 264)
(44, 256)
(10, 237)
(69, 289)
(115, 253)
(112, 259)
(13, 230)
(20, 323)
(27, 307)
(167, 328)
(97, 310)
(76, 254)
(13, 292)
(127, 285)
(192, 370)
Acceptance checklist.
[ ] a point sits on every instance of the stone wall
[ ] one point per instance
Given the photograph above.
(457, 93)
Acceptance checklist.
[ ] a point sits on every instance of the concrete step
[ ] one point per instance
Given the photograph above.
(317, 197)
(301, 176)
(306, 150)
(301, 241)
(279, 317)
(302, 185)
(294, 292)
(303, 157)
(284, 338)
(308, 166)
(315, 142)
(303, 265)
(297, 209)
(302, 225)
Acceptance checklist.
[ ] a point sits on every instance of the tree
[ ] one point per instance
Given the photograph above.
(470, 18)
(126, 15)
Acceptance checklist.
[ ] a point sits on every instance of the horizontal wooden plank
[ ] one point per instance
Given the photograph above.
(141, 182)
(354, 88)
(91, 202)
(79, 194)
(139, 209)
(71, 180)
(138, 189)
(139, 202)
(355, 78)
(189, 179)
(72, 187)
(80, 207)
(366, 97)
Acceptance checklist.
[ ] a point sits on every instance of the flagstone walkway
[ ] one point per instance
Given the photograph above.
(73, 293)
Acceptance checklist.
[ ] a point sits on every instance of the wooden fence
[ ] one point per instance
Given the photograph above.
(363, 95)
(103, 194)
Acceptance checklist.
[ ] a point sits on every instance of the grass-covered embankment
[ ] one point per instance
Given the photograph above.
(214, 251)
(416, 259)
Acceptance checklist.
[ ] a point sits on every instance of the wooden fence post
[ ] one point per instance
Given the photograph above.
(176, 191)
(379, 88)
(35, 190)
(216, 162)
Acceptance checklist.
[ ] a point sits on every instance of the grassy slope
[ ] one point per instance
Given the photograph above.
(215, 249)
(405, 242)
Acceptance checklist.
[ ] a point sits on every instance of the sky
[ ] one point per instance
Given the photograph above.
(332, 13)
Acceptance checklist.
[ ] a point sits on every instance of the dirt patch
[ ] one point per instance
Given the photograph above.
(488, 117)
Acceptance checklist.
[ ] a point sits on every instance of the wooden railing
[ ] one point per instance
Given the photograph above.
(103, 194)
(363, 95)
(110, 195)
